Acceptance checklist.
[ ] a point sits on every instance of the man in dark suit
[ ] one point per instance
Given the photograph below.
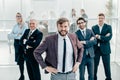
(63, 53)
(30, 40)
(103, 33)
(87, 38)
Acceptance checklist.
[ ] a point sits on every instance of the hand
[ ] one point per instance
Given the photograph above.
(92, 38)
(28, 47)
(24, 41)
(97, 36)
(108, 34)
(19, 34)
(75, 67)
(51, 70)
(82, 42)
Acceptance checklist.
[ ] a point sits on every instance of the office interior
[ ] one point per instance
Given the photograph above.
(48, 11)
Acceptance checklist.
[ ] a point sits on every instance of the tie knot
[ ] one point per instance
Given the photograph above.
(30, 31)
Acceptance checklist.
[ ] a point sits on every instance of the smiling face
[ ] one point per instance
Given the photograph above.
(33, 24)
(63, 28)
(81, 24)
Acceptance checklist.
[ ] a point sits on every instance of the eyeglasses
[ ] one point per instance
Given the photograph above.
(18, 16)
(80, 23)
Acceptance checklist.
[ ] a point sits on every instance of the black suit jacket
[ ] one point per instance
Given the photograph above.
(104, 40)
(33, 41)
(89, 46)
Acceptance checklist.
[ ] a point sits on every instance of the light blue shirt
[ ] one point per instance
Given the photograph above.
(17, 31)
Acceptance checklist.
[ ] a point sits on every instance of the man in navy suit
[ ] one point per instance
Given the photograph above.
(87, 38)
(103, 33)
(63, 53)
(30, 40)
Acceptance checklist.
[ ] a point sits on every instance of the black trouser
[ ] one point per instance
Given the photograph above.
(32, 65)
(106, 64)
(19, 57)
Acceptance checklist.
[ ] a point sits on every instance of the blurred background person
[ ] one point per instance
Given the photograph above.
(17, 31)
(73, 26)
(84, 15)
(31, 16)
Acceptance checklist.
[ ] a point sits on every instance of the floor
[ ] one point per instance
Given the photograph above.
(9, 69)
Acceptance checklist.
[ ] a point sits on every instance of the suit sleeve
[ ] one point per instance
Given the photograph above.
(80, 51)
(23, 37)
(89, 42)
(39, 51)
(106, 38)
(37, 41)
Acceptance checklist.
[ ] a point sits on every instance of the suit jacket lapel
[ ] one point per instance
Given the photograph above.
(81, 34)
(103, 28)
(87, 33)
(33, 32)
(97, 29)
(73, 44)
(56, 45)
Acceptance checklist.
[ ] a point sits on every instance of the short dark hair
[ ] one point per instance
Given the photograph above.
(82, 10)
(101, 14)
(80, 18)
(19, 14)
(62, 20)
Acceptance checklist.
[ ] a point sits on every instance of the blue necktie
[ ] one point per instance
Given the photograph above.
(64, 56)
(83, 32)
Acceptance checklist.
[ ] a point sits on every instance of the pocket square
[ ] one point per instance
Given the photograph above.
(31, 37)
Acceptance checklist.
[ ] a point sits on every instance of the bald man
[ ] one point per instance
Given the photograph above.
(30, 40)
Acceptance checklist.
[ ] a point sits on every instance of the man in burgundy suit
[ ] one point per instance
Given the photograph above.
(63, 53)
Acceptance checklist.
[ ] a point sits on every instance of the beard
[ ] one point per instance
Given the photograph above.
(63, 32)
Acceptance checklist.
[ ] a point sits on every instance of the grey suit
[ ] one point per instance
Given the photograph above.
(50, 46)
(88, 56)
(103, 50)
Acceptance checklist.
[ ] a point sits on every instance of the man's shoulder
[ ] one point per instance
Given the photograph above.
(38, 31)
(27, 30)
(72, 35)
(94, 26)
(107, 25)
(53, 36)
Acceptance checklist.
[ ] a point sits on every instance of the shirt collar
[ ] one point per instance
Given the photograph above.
(100, 26)
(33, 30)
(83, 29)
(62, 37)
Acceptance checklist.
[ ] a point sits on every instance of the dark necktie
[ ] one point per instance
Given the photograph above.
(30, 33)
(83, 32)
(64, 55)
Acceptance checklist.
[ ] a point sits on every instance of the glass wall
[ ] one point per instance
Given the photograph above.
(48, 11)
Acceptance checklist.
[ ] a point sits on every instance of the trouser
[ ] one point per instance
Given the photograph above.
(106, 64)
(89, 63)
(19, 57)
(33, 70)
(63, 76)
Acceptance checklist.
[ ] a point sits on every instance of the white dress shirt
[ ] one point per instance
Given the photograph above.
(100, 29)
(69, 54)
